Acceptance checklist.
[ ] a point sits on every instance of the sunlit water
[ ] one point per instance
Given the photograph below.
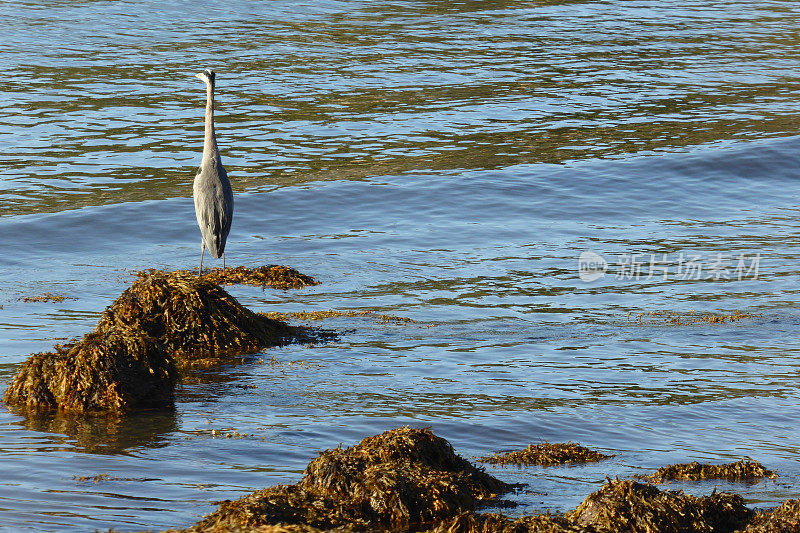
(444, 161)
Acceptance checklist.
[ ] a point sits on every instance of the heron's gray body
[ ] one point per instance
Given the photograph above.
(213, 205)
(213, 196)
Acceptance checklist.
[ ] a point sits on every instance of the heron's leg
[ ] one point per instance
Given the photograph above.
(202, 251)
(223, 261)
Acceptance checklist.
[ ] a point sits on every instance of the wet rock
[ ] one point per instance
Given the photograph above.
(402, 477)
(783, 519)
(631, 506)
(104, 371)
(275, 276)
(546, 454)
(741, 470)
(193, 318)
(163, 322)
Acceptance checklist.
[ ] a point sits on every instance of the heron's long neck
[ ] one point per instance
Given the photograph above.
(210, 150)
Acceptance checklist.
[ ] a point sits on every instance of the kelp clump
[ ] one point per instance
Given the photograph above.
(308, 316)
(626, 505)
(401, 477)
(784, 518)
(278, 528)
(44, 297)
(472, 522)
(635, 507)
(275, 276)
(104, 371)
(193, 318)
(409, 480)
(162, 321)
(741, 470)
(675, 318)
(546, 454)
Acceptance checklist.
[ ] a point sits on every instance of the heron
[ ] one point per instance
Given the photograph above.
(213, 196)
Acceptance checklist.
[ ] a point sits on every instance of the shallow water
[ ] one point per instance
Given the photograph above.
(448, 162)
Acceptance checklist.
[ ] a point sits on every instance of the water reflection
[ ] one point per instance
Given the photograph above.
(103, 434)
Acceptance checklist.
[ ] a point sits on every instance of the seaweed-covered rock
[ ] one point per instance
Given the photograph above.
(275, 276)
(104, 371)
(162, 321)
(401, 477)
(284, 505)
(783, 519)
(631, 506)
(546, 454)
(193, 318)
(737, 471)
(409, 480)
(471, 522)
(280, 528)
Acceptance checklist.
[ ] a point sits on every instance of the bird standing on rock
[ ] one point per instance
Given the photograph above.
(213, 196)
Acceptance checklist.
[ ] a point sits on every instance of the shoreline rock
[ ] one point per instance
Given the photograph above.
(394, 480)
(409, 480)
(275, 276)
(164, 323)
(748, 471)
(546, 454)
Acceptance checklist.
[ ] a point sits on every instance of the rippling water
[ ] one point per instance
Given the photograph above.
(445, 161)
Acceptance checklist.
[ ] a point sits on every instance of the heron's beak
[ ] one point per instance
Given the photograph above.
(200, 76)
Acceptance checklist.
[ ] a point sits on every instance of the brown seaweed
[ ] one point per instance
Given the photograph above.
(546, 454)
(193, 318)
(44, 297)
(275, 276)
(741, 470)
(784, 519)
(401, 477)
(278, 528)
(626, 505)
(162, 322)
(472, 522)
(675, 318)
(104, 371)
(308, 316)
(409, 480)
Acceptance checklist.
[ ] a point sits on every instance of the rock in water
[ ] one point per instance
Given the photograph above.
(105, 371)
(162, 322)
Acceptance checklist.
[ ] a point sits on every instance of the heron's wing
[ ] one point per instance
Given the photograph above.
(226, 216)
(213, 216)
